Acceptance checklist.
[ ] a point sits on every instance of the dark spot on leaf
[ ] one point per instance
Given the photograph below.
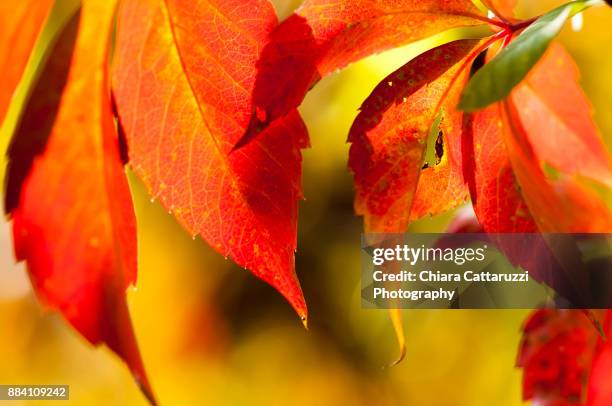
(123, 146)
(439, 147)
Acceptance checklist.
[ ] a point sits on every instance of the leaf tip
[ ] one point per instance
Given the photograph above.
(396, 320)
(145, 388)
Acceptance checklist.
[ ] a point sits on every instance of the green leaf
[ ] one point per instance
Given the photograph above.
(495, 80)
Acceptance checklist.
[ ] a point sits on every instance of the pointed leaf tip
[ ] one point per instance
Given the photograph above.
(240, 195)
(398, 328)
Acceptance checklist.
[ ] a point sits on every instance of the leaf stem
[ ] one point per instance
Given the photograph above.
(523, 24)
(497, 23)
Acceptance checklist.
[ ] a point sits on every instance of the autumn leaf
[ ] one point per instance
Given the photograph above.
(496, 79)
(564, 359)
(389, 142)
(206, 95)
(494, 190)
(504, 159)
(184, 103)
(599, 385)
(20, 25)
(389, 139)
(495, 193)
(561, 128)
(441, 185)
(562, 205)
(558, 346)
(556, 353)
(556, 133)
(504, 154)
(349, 31)
(324, 36)
(73, 219)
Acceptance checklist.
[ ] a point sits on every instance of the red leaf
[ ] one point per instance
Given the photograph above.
(562, 205)
(503, 158)
(326, 35)
(495, 193)
(558, 120)
(73, 220)
(564, 360)
(184, 102)
(389, 140)
(20, 24)
(556, 354)
(600, 385)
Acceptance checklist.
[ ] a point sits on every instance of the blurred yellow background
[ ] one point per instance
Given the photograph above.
(210, 333)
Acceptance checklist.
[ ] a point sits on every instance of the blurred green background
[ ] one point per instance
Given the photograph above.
(211, 333)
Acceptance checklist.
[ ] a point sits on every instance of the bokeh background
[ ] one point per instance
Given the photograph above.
(211, 333)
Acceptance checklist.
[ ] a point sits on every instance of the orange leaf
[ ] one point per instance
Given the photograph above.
(326, 35)
(442, 186)
(183, 82)
(389, 139)
(20, 24)
(73, 219)
(558, 118)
